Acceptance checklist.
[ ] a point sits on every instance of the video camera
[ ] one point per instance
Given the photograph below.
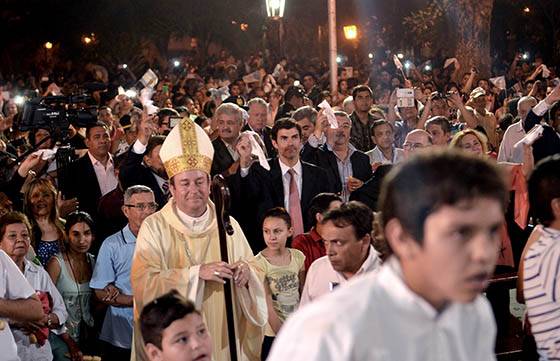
(57, 113)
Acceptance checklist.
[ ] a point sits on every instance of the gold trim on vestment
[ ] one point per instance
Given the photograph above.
(191, 159)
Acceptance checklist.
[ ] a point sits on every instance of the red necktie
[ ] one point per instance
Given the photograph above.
(294, 205)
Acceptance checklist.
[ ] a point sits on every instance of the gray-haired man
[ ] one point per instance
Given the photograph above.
(111, 277)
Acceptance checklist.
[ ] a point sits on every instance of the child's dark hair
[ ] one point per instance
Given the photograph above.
(544, 186)
(278, 212)
(157, 315)
(417, 188)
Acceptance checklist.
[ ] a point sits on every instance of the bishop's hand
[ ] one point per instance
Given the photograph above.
(216, 272)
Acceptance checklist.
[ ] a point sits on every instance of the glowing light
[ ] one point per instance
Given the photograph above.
(48, 45)
(339, 59)
(407, 64)
(350, 32)
(275, 8)
(400, 55)
(526, 10)
(370, 55)
(244, 26)
(428, 68)
(87, 40)
(124, 66)
(176, 63)
(19, 100)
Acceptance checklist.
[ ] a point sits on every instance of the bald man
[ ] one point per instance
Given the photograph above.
(515, 132)
(416, 141)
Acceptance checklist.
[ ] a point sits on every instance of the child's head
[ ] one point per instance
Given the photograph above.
(277, 228)
(544, 191)
(442, 213)
(173, 330)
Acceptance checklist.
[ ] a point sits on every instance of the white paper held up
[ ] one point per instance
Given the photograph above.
(329, 113)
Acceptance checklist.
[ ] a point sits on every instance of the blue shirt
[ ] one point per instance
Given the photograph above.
(113, 266)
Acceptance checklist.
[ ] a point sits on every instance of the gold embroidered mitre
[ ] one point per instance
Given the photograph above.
(187, 147)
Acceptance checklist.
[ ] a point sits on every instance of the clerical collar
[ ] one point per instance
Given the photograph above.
(194, 223)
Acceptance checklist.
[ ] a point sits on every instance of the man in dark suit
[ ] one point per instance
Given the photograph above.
(229, 120)
(347, 167)
(143, 165)
(258, 111)
(93, 175)
(289, 179)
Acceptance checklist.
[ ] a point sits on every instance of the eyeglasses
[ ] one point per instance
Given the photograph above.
(143, 206)
(413, 146)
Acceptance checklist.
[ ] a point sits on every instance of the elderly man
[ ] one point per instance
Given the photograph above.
(416, 141)
(178, 248)
(346, 232)
(111, 276)
(347, 167)
(258, 111)
(229, 120)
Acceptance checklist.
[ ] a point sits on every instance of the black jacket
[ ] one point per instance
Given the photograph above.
(548, 144)
(326, 159)
(267, 139)
(261, 190)
(82, 183)
(222, 158)
(133, 172)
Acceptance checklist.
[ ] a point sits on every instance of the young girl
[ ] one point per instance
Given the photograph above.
(284, 272)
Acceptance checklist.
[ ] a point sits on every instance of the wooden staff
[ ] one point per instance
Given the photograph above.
(221, 197)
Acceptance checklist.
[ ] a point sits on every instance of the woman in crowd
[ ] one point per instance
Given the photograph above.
(47, 228)
(41, 340)
(71, 271)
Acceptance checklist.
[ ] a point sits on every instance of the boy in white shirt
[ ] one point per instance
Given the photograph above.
(441, 212)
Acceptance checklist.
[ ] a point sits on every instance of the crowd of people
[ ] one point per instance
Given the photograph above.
(366, 221)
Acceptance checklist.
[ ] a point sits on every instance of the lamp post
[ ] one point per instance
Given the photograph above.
(332, 47)
(275, 11)
(351, 34)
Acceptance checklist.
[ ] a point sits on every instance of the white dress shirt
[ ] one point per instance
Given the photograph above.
(13, 286)
(105, 175)
(376, 156)
(377, 317)
(514, 133)
(286, 178)
(322, 278)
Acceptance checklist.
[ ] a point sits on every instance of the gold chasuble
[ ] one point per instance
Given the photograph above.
(168, 256)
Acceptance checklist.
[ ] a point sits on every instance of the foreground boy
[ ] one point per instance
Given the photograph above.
(173, 330)
(442, 214)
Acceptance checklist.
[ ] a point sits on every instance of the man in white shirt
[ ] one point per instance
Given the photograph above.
(346, 232)
(17, 302)
(515, 132)
(425, 303)
(383, 135)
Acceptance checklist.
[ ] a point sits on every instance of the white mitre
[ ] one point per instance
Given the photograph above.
(187, 147)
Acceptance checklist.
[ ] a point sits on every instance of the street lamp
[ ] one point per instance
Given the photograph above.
(87, 40)
(48, 45)
(275, 8)
(350, 32)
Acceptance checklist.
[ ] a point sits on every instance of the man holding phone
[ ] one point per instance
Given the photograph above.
(164, 120)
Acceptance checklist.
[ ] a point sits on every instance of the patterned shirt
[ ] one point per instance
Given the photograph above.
(360, 135)
(541, 291)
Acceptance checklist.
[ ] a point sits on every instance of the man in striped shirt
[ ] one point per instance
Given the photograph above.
(541, 263)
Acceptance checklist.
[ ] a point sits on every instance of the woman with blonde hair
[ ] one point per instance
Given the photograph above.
(470, 140)
(40, 208)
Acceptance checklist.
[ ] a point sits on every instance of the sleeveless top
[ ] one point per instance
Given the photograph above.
(76, 297)
(46, 249)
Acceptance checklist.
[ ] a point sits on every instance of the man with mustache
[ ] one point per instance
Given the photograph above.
(427, 296)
